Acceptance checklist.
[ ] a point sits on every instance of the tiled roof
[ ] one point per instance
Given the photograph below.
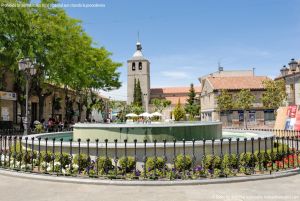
(173, 94)
(174, 90)
(250, 82)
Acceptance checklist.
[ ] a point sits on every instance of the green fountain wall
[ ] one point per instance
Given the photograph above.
(170, 131)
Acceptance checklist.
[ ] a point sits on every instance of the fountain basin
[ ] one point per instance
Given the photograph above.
(149, 132)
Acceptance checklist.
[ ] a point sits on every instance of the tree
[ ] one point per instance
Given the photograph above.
(137, 94)
(66, 55)
(192, 107)
(274, 95)
(244, 101)
(160, 104)
(225, 103)
(179, 112)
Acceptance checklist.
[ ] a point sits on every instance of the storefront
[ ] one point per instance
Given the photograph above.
(8, 108)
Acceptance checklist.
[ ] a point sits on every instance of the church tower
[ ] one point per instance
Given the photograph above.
(139, 69)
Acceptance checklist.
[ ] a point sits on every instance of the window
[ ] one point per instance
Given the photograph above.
(140, 65)
(133, 66)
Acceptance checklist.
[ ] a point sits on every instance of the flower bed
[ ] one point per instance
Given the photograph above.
(281, 157)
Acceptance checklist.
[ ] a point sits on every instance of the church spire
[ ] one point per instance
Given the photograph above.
(138, 44)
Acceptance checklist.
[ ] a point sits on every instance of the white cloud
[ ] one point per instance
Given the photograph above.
(119, 94)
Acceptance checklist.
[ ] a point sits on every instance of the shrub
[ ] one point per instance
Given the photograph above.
(104, 165)
(127, 164)
(64, 159)
(82, 160)
(183, 163)
(159, 165)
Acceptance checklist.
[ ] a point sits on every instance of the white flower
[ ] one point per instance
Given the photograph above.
(63, 171)
(48, 169)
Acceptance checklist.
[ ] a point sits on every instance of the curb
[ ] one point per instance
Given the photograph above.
(92, 181)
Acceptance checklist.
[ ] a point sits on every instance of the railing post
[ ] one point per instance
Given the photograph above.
(53, 155)
(194, 156)
(155, 159)
(71, 156)
(1, 151)
(277, 154)
(245, 153)
(88, 156)
(26, 152)
(39, 154)
(116, 158)
(165, 158)
(61, 156)
(288, 150)
(106, 156)
(46, 150)
(5, 150)
(222, 157)
(32, 153)
(272, 153)
(293, 150)
(213, 157)
(135, 156)
(297, 149)
(283, 153)
(15, 150)
(184, 159)
(126, 157)
(266, 156)
(238, 154)
(97, 157)
(203, 156)
(174, 154)
(79, 156)
(9, 151)
(259, 155)
(252, 154)
(145, 158)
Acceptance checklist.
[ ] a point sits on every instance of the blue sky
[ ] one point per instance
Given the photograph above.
(186, 39)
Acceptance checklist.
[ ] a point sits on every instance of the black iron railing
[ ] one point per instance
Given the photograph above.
(19, 132)
(150, 160)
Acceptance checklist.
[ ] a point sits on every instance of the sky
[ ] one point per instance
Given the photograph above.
(185, 40)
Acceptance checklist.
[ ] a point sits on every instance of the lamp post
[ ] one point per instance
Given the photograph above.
(28, 67)
(293, 66)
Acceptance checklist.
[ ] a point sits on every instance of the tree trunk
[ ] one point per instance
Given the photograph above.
(41, 107)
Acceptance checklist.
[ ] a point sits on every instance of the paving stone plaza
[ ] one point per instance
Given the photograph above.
(35, 190)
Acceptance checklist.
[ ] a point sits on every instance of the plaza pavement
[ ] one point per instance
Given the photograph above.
(19, 189)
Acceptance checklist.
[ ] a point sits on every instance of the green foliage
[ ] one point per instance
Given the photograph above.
(137, 99)
(159, 164)
(136, 109)
(160, 104)
(82, 160)
(192, 107)
(225, 102)
(104, 165)
(39, 128)
(275, 93)
(183, 162)
(127, 164)
(179, 112)
(65, 55)
(244, 99)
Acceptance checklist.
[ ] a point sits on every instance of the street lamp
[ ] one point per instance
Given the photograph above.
(28, 67)
(293, 66)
